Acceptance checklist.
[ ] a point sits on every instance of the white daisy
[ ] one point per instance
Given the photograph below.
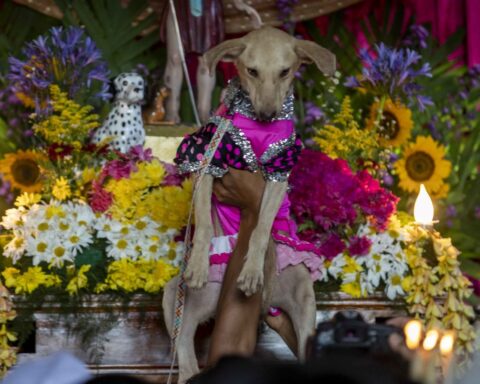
(121, 248)
(13, 218)
(78, 239)
(60, 254)
(106, 227)
(336, 267)
(394, 286)
(40, 249)
(15, 248)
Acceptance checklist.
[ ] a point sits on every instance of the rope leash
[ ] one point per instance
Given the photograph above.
(181, 287)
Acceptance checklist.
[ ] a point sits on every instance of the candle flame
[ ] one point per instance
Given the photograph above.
(423, 209)
(446, 343)
(430, 340)
(413, 333)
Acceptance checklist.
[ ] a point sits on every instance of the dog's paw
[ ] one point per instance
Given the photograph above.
(196, 276)
(250, 280)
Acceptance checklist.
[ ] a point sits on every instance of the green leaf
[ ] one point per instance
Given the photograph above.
(91, 256)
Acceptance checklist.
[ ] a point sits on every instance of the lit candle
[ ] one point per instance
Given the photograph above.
(413, 336)
(429, 345)
(448, 357)
(413, 333)
(423, 209)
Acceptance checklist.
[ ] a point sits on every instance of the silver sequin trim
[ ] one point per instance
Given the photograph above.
(278, 147)
(278, 177)
(195, 167)
(237, 101)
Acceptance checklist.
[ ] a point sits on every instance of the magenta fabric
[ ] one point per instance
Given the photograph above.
(444, 16)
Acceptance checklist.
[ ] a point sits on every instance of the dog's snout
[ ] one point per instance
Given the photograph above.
(136, 90)
(267, 115)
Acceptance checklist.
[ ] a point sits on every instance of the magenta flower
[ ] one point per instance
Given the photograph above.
(119, 169)
(328, 194)
(359, 246)
(100, 199)
(138, 153)
(332, 246)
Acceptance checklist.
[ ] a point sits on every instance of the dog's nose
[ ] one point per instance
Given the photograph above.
(267, 115)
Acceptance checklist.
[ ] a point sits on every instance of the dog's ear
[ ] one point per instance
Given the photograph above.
(310, 52)
(229, 50)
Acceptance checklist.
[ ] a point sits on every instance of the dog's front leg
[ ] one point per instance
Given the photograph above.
(196, 274)
(251, 276)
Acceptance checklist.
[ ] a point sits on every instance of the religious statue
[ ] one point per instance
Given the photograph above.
(201, 26)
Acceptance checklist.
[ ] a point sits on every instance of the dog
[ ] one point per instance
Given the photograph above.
(267, 60)
(124, 126)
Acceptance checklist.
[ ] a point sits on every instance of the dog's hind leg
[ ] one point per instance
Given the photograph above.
(294, 294)
(200, 305)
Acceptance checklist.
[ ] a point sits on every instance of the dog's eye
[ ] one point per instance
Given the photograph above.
(125, 82)
(252, 72)
(284, 72)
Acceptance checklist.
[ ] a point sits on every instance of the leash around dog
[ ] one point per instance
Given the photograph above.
(180, 292)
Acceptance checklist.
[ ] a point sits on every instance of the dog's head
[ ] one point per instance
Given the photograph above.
(267, 60)
(129, 87)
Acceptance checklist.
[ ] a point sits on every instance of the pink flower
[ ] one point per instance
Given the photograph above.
(119, 169)
(100, 199)
(138, 153)
(359, 246)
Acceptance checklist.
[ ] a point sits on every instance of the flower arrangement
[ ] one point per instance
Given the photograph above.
(379, 138)
(65, 57)
(83, 221)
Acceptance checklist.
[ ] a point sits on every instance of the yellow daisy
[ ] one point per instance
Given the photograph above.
(423, 163)
(27, 199)
(395, 124)
(61, 190)
(22, 169)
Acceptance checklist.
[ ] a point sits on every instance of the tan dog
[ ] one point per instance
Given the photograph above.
(267, 60)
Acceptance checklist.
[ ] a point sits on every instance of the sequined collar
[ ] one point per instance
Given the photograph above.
(237, 101)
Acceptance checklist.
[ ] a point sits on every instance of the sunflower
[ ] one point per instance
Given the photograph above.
(22, 169)
(395, 124)
(423, 163)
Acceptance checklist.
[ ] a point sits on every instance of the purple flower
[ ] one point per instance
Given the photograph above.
(313, 113)
(417, 37)
(393, 72)
(65, 57)
(119, 169)
(475, 284)
(138, 153)
(477, 213)
(451, 211)
(172, 177)
(359, 246)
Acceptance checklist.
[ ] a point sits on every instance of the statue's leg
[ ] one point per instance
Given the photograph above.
(173, 76)
(205, 85)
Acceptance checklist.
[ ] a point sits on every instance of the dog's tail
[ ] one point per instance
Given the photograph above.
(269, 271)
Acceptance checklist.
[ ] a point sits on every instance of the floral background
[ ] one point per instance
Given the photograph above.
(398, 113)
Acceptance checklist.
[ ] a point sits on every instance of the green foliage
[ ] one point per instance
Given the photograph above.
(115, 31)
(19, 24)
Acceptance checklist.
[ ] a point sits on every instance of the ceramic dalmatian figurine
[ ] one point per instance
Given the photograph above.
(124, 122)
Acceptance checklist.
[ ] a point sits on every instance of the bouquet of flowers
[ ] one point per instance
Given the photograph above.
(87, 219)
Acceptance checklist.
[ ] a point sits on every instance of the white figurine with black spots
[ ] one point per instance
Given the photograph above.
(124, 125)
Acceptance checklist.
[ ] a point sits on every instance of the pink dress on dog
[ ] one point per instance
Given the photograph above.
(270, 147)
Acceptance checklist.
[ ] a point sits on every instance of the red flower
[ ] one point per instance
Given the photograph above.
(101, 199)
(59, 151)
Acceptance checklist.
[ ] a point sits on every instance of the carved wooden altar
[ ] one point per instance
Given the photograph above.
(138, 343)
